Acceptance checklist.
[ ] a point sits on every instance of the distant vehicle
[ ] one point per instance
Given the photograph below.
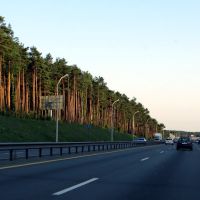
(175, 140)
(184, 143)
(158, 136)
(140, 140)
(169, 141)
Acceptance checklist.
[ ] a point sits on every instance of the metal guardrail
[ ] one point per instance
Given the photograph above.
(40, 149)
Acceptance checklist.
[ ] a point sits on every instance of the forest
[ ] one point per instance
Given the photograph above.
(26, 77)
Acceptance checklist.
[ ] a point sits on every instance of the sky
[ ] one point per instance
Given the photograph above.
(147, 49)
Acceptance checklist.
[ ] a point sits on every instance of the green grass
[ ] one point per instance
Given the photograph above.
(14, 129)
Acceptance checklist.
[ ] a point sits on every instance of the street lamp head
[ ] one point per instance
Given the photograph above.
(66, 75)
(148, 120)
(115, 102)
(136, 112)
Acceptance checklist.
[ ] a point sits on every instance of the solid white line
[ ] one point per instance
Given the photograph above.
(74, 187)
(144, 159)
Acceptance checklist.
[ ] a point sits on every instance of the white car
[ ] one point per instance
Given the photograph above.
(141, 140)
(169, 141)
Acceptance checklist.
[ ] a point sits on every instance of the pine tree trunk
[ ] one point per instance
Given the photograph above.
(98, 110)
(91, 111)
(1, 95)
(17, 97)
(8, 87)
(39, 94)
(27, 99)
(36, 91)
(63, 89)
(85, 109)
(74, 99)
(33, 90)
(68, 101)
(23, 92)
(77, 110)
(3, 92)
(82, 109)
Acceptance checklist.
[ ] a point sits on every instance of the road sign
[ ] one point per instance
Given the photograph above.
(51, 102)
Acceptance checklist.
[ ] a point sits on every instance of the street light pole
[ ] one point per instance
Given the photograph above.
(134, 121)
(66, 75)
(112, 124)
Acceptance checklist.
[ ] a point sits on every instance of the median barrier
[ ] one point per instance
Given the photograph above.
(13, 151)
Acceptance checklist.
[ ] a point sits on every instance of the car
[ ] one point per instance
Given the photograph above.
(169, 141)
(140, 140)
(184, 143)
(175, 140)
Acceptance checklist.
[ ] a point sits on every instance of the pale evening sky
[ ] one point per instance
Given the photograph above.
(148, 49)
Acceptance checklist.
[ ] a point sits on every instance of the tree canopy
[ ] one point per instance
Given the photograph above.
(25, 76)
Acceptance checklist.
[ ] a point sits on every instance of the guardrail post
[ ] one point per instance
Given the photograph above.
(88, 148)
(40, 152)
(82, 149)
(69, 150)
(76, 149)
(51, 151)
(61, 151)
(94, 147)
(27, 153)
(11, 154)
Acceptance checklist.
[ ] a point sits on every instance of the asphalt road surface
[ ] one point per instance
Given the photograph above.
(151, 172)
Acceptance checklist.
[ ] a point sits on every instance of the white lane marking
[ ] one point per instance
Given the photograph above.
(144, 159)
(162, 152)
(75, 187)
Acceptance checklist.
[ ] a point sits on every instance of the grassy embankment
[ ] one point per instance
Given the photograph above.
(14, 129)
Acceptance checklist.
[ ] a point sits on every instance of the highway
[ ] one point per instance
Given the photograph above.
(151, 172)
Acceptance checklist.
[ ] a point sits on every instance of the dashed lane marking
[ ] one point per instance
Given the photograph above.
(142, 160)
(74, 187)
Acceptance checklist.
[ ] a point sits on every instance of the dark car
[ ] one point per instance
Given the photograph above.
(184, 143)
